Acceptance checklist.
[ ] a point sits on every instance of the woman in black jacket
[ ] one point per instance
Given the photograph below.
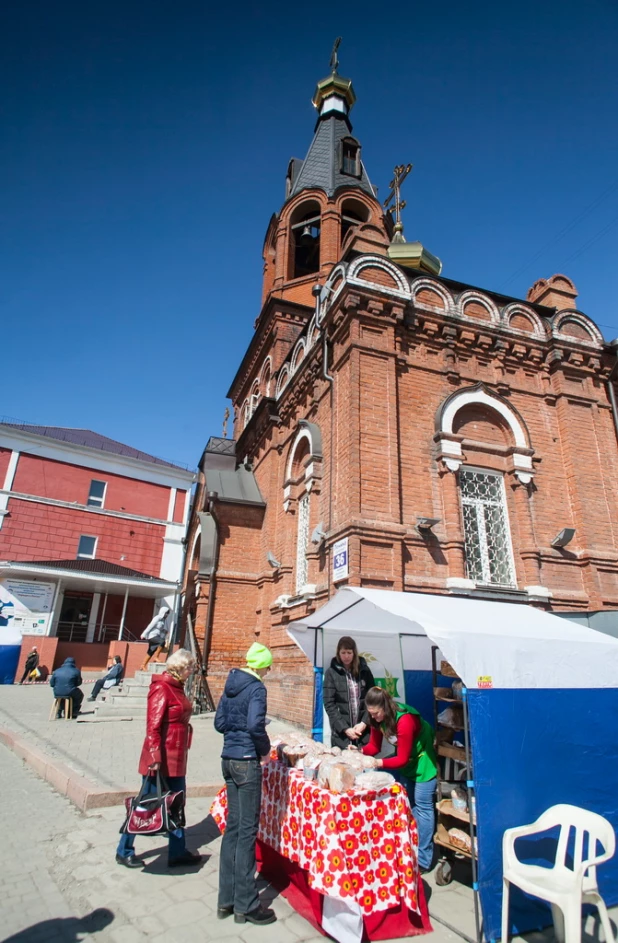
(345, 684)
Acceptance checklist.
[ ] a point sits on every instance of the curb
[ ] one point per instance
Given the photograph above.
(82, 792)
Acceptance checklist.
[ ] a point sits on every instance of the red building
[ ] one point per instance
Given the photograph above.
(91, 538)
(396, 429)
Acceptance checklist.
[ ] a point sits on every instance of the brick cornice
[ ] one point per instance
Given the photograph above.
(274, 309)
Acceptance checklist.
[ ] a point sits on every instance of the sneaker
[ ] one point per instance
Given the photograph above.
(256, 916)
(131, 862)
(187, 858)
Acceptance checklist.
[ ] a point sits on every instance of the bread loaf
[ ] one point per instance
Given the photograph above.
(374, 779)
(460, 839)
(341, 777)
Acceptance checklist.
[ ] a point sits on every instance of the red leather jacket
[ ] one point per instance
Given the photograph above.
(168, 731)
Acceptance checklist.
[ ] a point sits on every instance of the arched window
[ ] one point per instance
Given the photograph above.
(266, 376)
(302, 472)
(476, 421)
(254, 399)
(301, 453)
(305, 240)
(353, 212)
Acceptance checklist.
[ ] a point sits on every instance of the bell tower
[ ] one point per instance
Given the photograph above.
(328, 197)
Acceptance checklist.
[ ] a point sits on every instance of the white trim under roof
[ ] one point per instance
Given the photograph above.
(108, 582)
(87, 457)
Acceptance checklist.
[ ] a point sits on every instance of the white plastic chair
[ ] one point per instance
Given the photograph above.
(565, 888)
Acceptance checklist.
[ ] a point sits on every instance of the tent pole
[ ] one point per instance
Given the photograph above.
(471, 806)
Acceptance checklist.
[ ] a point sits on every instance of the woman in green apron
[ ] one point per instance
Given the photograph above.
(413, 764)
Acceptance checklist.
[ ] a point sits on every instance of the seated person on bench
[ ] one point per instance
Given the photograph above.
(112, 678)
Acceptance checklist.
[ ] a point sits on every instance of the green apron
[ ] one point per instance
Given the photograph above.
(423, 764)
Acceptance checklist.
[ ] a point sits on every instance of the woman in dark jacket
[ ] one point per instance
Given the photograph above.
(165, 749)
(241, 718)
(345, 684)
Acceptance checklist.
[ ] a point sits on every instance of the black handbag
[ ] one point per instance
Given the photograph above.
(154, 813)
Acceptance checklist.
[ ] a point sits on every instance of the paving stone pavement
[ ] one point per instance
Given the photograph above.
(105, 751)
(60, 883)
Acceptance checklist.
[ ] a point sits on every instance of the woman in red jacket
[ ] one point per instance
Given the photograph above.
(414, 763)
(167, 742)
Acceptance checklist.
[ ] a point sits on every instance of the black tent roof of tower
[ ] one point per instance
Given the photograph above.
(333, 159)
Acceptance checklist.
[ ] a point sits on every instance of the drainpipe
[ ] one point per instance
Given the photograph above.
(211, 498)
(610, 384)
(320, 294)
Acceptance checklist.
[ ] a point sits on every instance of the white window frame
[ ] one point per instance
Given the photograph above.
(302, 541)
(482, 533)
(92, 501)
(87, 556)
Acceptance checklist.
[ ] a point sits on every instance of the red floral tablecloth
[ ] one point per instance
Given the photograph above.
(362, 848)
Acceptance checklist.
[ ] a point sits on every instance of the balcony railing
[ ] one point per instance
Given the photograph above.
(77, 632)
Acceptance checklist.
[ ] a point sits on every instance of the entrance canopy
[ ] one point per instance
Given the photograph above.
(515, 646)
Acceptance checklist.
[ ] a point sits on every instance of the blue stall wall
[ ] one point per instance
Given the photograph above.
(9, 658)
(532, 749)
(419, 692)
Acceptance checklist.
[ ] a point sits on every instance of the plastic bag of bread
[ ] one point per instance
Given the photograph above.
(294, 752)
(374, 779)
(460, 839)
(340, 777)
(311, 764)
(451, 717)
(352, 758)
(324, 769)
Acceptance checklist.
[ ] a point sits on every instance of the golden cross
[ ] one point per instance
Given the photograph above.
(226, 416)
(401, 172)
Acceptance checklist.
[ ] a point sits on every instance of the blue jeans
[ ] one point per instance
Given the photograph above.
(176, 846)
(422, 798)
(237, 884)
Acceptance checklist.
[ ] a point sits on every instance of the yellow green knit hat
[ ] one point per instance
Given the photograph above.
(259, 656)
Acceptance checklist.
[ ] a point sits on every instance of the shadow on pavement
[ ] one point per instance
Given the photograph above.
(204, 832)
(159, 864)
(66, 929)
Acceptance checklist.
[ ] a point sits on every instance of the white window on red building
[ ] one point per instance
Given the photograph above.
(489, 555)
(86, 549)
(96, 495)
(302, 564)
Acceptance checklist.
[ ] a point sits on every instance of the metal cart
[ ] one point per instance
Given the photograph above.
(455, 769)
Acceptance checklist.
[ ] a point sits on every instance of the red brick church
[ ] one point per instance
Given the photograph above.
(396, 429)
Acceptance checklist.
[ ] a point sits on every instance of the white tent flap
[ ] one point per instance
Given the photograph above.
(489, 644)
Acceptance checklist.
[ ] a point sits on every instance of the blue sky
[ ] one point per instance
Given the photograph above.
(144, 149)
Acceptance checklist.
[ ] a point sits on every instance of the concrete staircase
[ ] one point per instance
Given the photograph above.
(128, 700)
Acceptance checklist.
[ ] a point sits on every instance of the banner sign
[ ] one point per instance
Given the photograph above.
(30, 604)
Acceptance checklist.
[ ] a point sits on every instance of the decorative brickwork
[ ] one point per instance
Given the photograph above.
(412, 382)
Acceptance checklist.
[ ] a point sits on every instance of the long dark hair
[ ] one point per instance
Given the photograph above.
(350, 645)
(378, 697)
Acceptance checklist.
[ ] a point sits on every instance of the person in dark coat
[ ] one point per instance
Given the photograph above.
(241, 718)
(345, 684)
(65, 682)
(32, 662)
(165, 750)
(109, 680)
